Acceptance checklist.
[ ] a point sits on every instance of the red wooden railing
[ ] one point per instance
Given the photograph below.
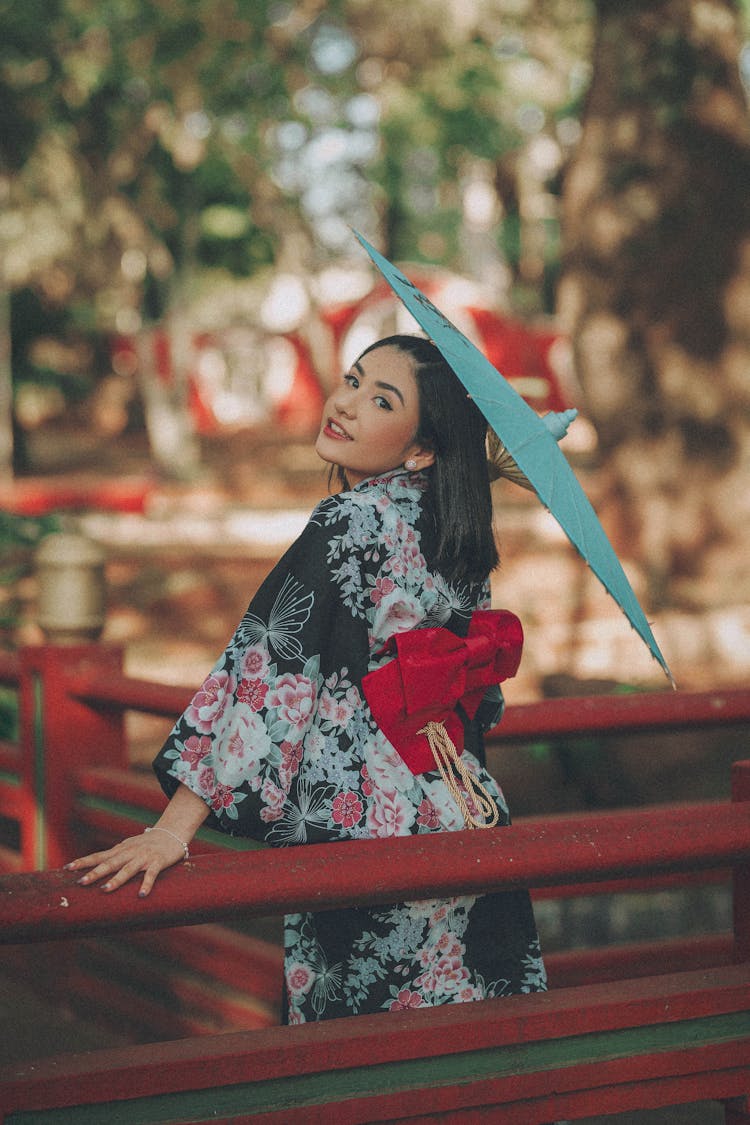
(68, 782)
(557, 852)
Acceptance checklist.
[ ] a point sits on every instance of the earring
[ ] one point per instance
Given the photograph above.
(411, 464)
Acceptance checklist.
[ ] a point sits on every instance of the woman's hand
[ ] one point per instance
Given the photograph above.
(152, 852)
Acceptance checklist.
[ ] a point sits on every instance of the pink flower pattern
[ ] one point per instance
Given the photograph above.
(210, 701)
(346, 809)
(196, 749)
(382, 587)
(255, 663)
(427, 815)
(222, 797)
(389, 814)
(252, 692)
(405, 1000)
(294, 696)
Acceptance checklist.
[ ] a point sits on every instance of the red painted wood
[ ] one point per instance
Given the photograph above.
(569, 968)
(741, 879)
(338, 1044)
(10, 756)
(607, 713)
(127, 786)
(171, 989)
(570, 1106)
(617, 714)
(140, 1018)
(12, 800)
(97, 828)
(483, 1102)
(10, 861)
(376, 871)
(30, 825)
(193, 981)
(71, 735)
(247, 964)
(127, 692)
(141, 791)
(38, 497)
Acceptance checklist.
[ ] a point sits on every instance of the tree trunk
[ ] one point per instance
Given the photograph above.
(655, 289)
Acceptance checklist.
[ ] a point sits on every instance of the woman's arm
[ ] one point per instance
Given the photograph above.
(151, 852)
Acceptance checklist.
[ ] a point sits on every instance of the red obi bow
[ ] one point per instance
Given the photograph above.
(432, 672)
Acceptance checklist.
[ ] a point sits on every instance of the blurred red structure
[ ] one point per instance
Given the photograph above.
(275, 379)
(525, 354)
(640, 1026)
(42, 496)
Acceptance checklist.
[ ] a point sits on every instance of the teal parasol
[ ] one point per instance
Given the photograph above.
(531, 444)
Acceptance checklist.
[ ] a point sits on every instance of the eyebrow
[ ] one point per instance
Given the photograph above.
(379, 383)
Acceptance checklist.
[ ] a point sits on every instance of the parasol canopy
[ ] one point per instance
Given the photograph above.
(531, 444)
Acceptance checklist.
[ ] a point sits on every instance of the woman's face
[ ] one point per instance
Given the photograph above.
(371, 418)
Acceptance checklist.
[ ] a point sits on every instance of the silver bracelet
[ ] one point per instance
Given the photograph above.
(182, 843)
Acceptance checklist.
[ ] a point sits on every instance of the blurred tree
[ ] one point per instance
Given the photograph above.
(145, 143)
(140, 126)
(139, 145)
(655, 286)
(478, 112)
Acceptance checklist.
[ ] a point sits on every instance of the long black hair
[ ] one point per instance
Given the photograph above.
(459, 496)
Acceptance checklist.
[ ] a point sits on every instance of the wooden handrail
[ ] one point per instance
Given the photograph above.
(641, 712)
(120, 692)
(48, 905)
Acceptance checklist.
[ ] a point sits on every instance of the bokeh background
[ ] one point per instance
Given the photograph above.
(179, 284)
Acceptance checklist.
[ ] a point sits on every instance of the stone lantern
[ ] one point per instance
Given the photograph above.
(71, 589)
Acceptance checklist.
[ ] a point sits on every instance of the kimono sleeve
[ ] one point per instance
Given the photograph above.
(240, 742)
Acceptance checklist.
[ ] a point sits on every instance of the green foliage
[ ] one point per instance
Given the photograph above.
(19, 538)
(147, 144)
(9, 719)
(24, 532)
(175, 109)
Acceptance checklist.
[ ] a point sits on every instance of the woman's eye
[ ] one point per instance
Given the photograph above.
(383, 403)
(352, 380)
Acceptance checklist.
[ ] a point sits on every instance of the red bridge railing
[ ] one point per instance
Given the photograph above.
(73, 743)
(67, 782)
(42, 906)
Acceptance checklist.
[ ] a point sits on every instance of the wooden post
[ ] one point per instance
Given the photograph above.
(737, 1112)
(741, 878)
(59, 735)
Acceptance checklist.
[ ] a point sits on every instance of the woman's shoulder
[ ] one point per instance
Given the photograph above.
(398, 490)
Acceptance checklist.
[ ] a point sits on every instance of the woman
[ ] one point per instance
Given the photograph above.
(280, 742)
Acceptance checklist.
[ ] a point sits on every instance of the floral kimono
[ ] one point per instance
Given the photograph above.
(281, 744)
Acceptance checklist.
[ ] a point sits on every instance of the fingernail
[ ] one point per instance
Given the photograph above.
(142, 894)
(107, 887)
(84, 879)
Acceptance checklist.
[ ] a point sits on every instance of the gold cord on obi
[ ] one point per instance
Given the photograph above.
(449, 763)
